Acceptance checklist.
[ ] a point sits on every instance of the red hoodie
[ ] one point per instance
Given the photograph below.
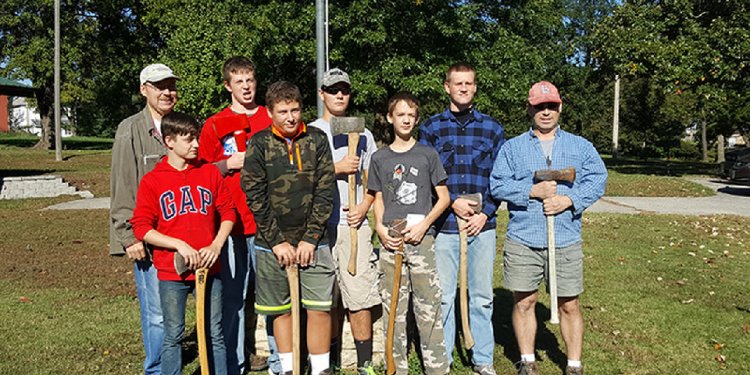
(189, 205)
(218, 141)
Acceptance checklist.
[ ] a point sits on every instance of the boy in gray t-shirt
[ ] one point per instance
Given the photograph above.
(407, 178)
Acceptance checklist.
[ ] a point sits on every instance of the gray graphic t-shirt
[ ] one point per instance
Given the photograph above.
(406, 180)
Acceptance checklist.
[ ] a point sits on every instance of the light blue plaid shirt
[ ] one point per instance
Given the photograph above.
(513, 175)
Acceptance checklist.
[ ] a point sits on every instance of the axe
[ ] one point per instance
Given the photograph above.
(292, 275)
(394, 230)
(201, 277)
(463, 269)
(564, 175)
(351, 126)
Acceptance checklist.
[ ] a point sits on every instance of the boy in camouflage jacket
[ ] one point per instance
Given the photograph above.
(288, 178)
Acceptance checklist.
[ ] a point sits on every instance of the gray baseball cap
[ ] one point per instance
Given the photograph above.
(334, 76)
(156, 73)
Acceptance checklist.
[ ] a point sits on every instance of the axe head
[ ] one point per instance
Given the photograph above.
(395, 227)
(475, 197)
(179, 264)
(346, 125)
(564, 175)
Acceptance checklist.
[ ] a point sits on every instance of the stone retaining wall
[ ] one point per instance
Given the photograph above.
(43, 186)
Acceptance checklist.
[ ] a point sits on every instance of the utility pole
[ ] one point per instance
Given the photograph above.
(321, 39)
(616, 119)
(58, 131)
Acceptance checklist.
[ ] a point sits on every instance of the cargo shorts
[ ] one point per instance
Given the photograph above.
(525, 267)
(361, 291)
(272, 296)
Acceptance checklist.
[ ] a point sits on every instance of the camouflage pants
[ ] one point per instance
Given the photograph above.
(418, 276)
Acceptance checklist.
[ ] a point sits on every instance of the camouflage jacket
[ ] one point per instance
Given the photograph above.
(289, 186)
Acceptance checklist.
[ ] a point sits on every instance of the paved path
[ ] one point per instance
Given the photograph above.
(729, 200)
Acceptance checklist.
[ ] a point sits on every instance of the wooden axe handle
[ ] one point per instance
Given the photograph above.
(463, 270)
(398, 262)
(551, 260)
(352, 266)
(292, 274)
(201, 277)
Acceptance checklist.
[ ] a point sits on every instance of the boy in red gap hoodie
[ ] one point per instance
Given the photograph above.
(183, 209)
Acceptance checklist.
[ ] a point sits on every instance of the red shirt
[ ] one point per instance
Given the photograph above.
(218, 141)
(188, 205)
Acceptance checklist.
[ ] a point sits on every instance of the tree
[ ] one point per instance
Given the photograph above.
(103, 47)
(694, 52)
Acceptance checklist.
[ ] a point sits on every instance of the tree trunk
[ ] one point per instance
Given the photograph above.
(44, 101)
(704, 141)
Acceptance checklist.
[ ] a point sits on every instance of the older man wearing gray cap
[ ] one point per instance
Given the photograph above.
(358, 293)
(138, 146)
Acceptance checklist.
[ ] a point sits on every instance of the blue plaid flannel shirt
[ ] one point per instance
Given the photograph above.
(468, 153)
(513, 176)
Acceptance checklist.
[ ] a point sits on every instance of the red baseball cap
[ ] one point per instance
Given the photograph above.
(544, 92)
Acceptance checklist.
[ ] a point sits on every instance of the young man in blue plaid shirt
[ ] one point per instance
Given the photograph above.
(546, 146)
(468, 142)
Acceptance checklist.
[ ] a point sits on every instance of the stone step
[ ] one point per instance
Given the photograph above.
(348, 352)
(42, 186)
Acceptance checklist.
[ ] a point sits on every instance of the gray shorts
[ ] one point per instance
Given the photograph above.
(361, 291)
(272, 288)
(525, 267)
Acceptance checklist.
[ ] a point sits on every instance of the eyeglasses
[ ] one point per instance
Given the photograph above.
(161, 86)
(551, 106)
(333, 90)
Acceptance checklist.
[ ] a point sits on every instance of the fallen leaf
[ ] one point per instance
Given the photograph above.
(77, 241)
(718, 346)
(680, 282)
(687, 301)
(24, 299)
(692, 254)
(747, 328)
(721, 358)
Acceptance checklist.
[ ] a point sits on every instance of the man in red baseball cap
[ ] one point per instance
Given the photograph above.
(546, 146)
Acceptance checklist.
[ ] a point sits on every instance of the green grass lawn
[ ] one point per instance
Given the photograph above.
(664, 293)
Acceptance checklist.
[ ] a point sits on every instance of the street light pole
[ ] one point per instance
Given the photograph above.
(58, 131)
(321, 39)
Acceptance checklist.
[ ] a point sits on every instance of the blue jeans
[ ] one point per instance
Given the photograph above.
(152, 322)
(480, 271)
(237, 272)
(173, 299)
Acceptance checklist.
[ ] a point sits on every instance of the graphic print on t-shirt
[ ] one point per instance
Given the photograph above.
(406, 192)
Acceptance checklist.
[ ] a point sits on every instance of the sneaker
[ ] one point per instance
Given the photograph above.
(527, 368)
(573, 370)
(258, 362)
(484, 370)
(366, 369)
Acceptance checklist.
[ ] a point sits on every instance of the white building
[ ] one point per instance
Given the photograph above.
(26, 118)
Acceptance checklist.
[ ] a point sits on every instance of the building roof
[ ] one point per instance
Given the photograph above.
(15, 88)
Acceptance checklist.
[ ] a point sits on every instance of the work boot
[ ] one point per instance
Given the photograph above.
(574, 370)
(366, 369)
(484, 370)
(527, 368)
(257, 362)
